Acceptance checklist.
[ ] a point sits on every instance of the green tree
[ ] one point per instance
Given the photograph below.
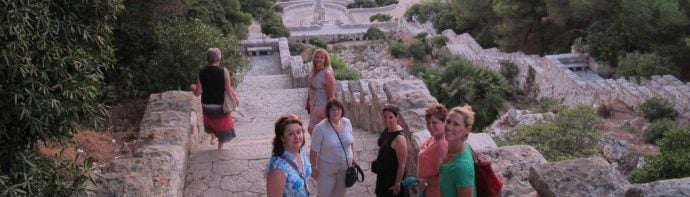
(520, 24)
(375, 33)
(224, 14)
(641, 65)
(53, 58)
(380, 18)
(674, 161)
(273, 26)
(460, 82)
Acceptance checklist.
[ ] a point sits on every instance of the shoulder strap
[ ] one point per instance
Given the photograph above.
(341, 143)
(301, 174)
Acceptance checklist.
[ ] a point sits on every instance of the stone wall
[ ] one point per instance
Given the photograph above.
(171, 127)
(374, 10)
(555, 80)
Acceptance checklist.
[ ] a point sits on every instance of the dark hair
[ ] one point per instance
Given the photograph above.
(334, 102)
(436, 110)
(280, 126)
(392, 109)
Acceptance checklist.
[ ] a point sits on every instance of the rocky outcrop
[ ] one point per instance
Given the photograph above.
(514, 118)
(172, 126)
(672, 187)
(579, 177)
(512, 164)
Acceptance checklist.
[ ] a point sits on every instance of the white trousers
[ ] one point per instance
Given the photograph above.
(331, 180)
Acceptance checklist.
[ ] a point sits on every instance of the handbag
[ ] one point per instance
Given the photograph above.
(228, 105)
(486, 180)
(351, 173)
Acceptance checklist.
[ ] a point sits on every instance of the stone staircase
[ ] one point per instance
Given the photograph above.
(238, 170)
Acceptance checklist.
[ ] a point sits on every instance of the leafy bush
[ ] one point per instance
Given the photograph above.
(374, 33)
(657, 108)
(382, 3)
(443, 55)
(178, 59)
(424, 10)
(571, 135)
(273, 26)
(52, 65)
(509, 70)
(439, 41)
(223, 14)
(642, 65)
(296, 48)
(460, 82)
(399, 49)
(418, 70)
(419, 49)
(317, 42)
(380, 18)
(547, 105)
(657, 129)
(341, 71)
(362, 4)
(421, 35)
(674, 161)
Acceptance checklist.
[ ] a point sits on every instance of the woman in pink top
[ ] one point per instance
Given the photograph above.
(432, 151)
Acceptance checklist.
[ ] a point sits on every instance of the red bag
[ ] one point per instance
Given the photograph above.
(488, 184)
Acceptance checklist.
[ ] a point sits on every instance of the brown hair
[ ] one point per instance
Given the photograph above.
(280, 125)
(467, 114)
(436, 110)
(334, 102)
(392, 109)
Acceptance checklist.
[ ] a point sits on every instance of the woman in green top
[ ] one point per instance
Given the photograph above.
(457, 170)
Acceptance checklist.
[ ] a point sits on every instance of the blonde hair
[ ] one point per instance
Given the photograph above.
(467, 114)
(327, 63)
(213, 55)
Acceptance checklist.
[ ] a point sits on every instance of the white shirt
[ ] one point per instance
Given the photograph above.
(325, 141)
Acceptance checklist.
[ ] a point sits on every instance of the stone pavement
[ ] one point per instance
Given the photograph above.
(237, 170)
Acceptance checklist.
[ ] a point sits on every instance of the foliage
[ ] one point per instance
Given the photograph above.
(181, 53)
(53, 60)
(571, 135)
(419, 49)
(519, 24)
(547, 104)
(374, 33)
(657, 108)
(439, 41)
(644, 65)
(223, 14)
(418, 70)
(421, 35)
(380, 18)
(341, 71)
(296, 48)
(362, 4)
(509, 70)
(674, 161)
(657, 129)
(317, 42)
(273, 27)
(424, 11)
(459, 82)
(399, 49)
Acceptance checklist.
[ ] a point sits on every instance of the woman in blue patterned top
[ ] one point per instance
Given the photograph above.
(288, 170)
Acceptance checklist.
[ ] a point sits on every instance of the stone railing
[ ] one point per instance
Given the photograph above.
(387, 26)
(553, 79)
(171, 127)
(373, 10)
(299, 71)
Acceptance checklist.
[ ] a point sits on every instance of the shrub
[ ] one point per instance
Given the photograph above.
(674, 161)
(341, 71)
(418, 70)
(53, 60)
(362, 4)
(571, 135)
(382, 3)
(657, 108)
(547, 105)
(317, 42)
(296, 48)
(421, 35)
(641, 65)
(439, 41)
(657, 129)
(424, 10)
(443, 55)
(374, 33)
(419, 49)
(273, 27)
(399, 49)
(460, 82)
(509, 70)
(380, 18)
(278, 8)
(178, 59)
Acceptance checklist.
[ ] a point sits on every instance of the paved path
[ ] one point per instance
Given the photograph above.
(237, 170)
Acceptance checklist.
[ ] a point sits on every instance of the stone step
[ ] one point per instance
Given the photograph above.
(266, 82)
(571, 59)
(268, 105)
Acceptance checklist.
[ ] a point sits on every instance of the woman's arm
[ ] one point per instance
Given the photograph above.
(464, 191)
(313, 155)
(330, 85)
(275, 183)
(196, 87)
(228, 88)
(400, 147)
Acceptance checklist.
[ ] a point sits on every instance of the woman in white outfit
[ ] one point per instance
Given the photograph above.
(330, 157)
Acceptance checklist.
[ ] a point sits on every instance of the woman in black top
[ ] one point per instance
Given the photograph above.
(212, 84)
(389, 165)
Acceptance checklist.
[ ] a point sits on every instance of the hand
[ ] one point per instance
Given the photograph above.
(422, 185)
(192, 87)
(395, 188)
(315, 173)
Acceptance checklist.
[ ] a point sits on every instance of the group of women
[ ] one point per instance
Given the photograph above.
(445, 163)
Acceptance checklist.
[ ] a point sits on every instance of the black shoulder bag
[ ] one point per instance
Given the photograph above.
(351, 174)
